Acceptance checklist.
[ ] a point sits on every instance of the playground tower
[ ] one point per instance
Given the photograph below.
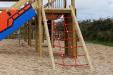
(48, 18)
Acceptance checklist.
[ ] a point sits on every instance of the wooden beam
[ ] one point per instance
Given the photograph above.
(52, 33)
(71, 52)
(48, 38)
(73, 3)
(76, 26)
(65, 3)
(29, 33)
(39, 33)
(19, 36)
(49, 1)
(25, 33)
(57, 10)
(36, 34)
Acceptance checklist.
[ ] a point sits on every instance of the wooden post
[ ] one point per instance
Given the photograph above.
(49, 26)
(39, 33)
(29, 33)
(73, 3)
(65, 3)
(71, 45)
(25, 33)
(48, 38)
(76, 26)
(52, 33)
(49, 1)
(19, 36)
(70, 51)
(73, 6)
(74, 35)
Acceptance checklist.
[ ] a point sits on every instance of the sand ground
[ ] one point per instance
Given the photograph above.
(23, 60)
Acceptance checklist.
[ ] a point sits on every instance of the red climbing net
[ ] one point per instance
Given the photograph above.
(57, 30)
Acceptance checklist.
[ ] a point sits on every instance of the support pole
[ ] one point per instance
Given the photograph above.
(74, 35)
(19, 36)
(65, 3)
(71, 46)
(25, 33)
(49, 1)
(49, 27)
(70, 51)
(73, 3)
(29, 33)
(76, 26)
(39, 33)
(48, 38)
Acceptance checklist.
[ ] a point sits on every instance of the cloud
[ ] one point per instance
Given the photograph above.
(94, 9)
(6, 4)
(86, 9)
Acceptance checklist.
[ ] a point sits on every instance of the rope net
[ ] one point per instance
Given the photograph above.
(61, 33)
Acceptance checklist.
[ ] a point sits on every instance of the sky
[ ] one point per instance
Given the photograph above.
(86, 9)
(94, 9)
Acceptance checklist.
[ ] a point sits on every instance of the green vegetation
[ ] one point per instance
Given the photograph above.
(107, 43)
(98, 31)
(95, 31)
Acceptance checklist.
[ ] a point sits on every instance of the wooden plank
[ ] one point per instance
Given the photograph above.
(48, 38)
(76, 26)
(57, 10)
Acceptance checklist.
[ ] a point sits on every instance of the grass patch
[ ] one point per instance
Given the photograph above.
(107, 43)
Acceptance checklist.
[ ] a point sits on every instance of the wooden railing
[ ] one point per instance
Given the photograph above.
(56, 3)
(59, 3)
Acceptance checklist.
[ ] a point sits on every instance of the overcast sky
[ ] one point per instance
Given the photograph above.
(87, 9)
(94, 9)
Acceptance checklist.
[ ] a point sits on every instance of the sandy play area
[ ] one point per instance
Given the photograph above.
(23, 60)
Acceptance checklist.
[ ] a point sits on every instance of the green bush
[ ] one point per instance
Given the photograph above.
(101, 29)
